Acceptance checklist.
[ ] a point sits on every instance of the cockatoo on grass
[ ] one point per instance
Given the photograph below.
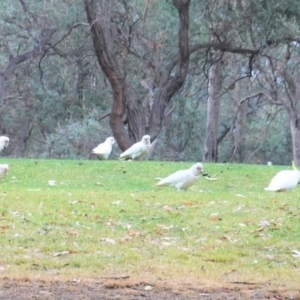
(137, 150)
(183, 179)
(3, 170)
(285, 180)
(103, 150)
(4, 141)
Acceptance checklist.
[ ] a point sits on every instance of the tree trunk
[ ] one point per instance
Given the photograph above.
(215, 79)
(170, 84)
(99, 16)
(238, 127)
(40, 46)
(239, 135)
(293, 94)
(295, 132)
(127, 107)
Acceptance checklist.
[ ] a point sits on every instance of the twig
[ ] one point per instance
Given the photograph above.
(116, 277)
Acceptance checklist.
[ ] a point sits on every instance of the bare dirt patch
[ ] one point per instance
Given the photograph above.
(121, 289)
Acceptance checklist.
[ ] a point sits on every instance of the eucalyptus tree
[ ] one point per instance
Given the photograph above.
(47, 71)
(117, 37)
(224, 29)
(279, 79)
(275, 26)
(156, 57)
(24, 37)
(120, 35)
(271, 30)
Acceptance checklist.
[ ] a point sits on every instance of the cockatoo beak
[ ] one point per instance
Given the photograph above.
(294, 167)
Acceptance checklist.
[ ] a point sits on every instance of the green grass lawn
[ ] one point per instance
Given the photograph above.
(107, 218)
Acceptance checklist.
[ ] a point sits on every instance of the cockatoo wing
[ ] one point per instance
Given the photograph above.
(100, 149)
(103, 150)
(174, 178)
(181, 180)
(137, 150)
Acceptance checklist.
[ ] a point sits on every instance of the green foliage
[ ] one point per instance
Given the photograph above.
(54, 97)
(105, 217)
(183, 135)
(73, 140)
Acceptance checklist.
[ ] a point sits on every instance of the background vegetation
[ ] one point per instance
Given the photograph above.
(243, 61)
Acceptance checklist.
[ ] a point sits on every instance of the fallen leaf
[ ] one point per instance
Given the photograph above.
(73, 202)
(15, 213)
(184, 249)
(210, 178)
(240, 195)
(258, 229)
(133, 233)
(264, 223)
(167, 208)
(61, 253)
(296, 253)
(165, 227)
(167, 244)
(117, 202)
(215, 217)
(181, 207)
(169, 238)
(108, 240)
(237, 209)
(227, 238)
(74, 233)
(125, 239)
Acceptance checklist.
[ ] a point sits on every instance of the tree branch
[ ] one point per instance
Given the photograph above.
(37, 49)
(206, 46)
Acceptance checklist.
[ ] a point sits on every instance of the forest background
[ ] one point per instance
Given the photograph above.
(208, 80)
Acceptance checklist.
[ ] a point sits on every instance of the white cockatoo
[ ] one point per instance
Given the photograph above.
(3, 169)
(137, 150)
(285, 180)
(4, 141)
(183, 179)
(103, 150)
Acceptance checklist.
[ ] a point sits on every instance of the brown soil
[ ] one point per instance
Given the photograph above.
(124, 288)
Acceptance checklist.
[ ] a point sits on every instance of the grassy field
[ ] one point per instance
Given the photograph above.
(107, 218)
